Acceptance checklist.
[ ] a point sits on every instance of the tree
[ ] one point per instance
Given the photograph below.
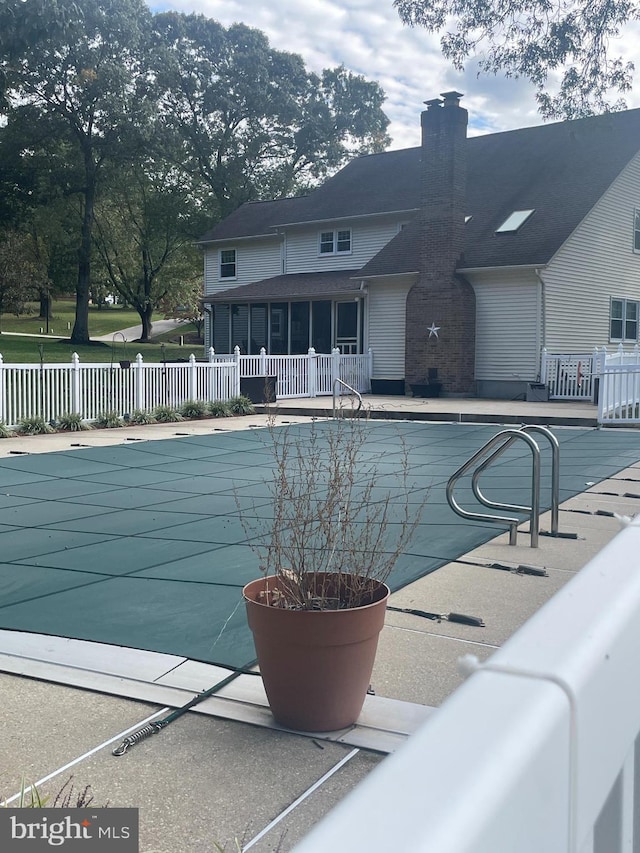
(185, 303)
(144, 237)
(564, 43)
(22, 272)
(77, 68)
(253, 122)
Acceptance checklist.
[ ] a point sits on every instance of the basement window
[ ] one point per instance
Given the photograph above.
(514, 222)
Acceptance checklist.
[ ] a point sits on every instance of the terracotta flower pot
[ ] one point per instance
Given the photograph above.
(315, 664)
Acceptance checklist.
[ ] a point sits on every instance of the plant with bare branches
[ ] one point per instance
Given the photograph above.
(336, 532)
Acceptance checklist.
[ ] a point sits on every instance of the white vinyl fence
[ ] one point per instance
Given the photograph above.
(537, 752)
(571, 376)
(52, 390)
(310, 375)
(609, 378)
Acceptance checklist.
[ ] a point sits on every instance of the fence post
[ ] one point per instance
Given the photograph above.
(335, 365)
(263, 362)
(543, 366)
(369, 368)
(139, 392)
(211, 354)
(3, 392)
(312, 373)
(236, 378)
(192, 377)
(75, 384)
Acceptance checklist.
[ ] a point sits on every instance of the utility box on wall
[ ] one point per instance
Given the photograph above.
(259, 389)
(537, 393)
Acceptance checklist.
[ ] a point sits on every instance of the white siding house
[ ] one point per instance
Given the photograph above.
(386, 326)
(509, 322)
(549, 221)
(597, 263)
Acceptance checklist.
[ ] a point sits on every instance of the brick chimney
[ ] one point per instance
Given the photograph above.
(440, 320)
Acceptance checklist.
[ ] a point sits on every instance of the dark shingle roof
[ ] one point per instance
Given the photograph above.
(309, 285)
(560, 170)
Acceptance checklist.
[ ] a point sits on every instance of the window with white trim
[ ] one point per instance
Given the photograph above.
(623, 324)
(636, 230)
(227, 263)
(335, 242)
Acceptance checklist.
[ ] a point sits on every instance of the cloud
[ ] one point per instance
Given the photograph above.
(367, 37)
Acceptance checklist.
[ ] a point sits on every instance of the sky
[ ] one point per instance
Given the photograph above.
(368, 38)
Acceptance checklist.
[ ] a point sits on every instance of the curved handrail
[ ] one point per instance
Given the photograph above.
(337, 382)
(509, 435)
(555, 475)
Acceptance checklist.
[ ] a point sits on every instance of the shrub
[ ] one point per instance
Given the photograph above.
(71, 422)
(193, 409)
(141, 417)
(34, 426)
(219, 409)
(241, 406)
(108, 420)
(5, 431)
(167, 414)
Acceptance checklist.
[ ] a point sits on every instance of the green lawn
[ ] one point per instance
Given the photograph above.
(102, 321)
(21, 350)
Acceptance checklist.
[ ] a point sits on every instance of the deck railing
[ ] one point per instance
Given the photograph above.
(571, 376)
(52, 390)
(539, 750)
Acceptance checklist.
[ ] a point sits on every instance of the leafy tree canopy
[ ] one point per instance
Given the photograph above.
(254, 122)
(563, 46)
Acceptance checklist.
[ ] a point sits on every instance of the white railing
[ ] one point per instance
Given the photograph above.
(619, 396)
(537, 752)
(619, 386)
(52, 390)
(570, 376)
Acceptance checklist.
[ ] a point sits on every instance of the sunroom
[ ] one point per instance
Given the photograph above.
(288, 314)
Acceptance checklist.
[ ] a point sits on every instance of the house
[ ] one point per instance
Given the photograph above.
(461, 258)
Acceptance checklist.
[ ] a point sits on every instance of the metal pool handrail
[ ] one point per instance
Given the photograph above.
(505, 437)
(337, 382)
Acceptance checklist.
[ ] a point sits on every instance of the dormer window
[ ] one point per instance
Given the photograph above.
(227, 263)
(514, 222)
(335, 242)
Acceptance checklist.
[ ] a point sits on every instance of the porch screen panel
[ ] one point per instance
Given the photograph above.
(240, 327)
(299, 328)
(321, 326)
(259, 339)
(279, 328)
(221, 342)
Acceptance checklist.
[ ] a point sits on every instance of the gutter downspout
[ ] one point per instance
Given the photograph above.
(541, 332)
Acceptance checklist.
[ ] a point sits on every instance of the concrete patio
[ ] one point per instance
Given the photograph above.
(227, 777)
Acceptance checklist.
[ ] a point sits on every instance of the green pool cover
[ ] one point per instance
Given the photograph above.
(142, 544)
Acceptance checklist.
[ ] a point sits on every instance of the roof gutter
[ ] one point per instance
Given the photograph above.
(385, 275)
(204, 242)
(534, 267)
(210, 300)
(346, 218)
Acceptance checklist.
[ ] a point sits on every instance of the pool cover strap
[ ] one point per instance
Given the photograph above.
(154, 728)
(461, 618)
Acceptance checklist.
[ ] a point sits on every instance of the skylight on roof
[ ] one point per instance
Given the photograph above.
(514, 221)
